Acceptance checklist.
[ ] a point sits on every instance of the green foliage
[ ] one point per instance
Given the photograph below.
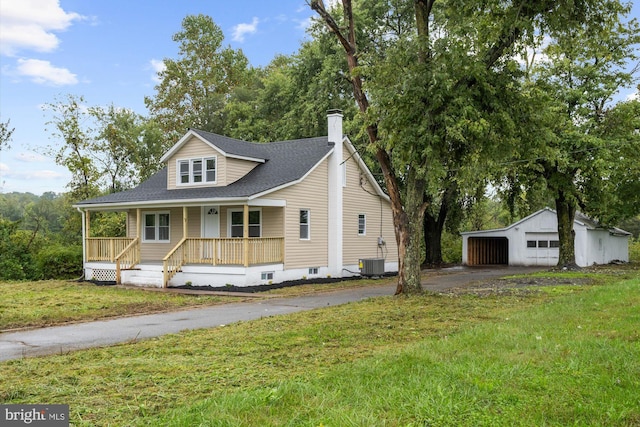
(5, 135)
(194, 88)
(451, 248)
(634, 250)
(59, 262)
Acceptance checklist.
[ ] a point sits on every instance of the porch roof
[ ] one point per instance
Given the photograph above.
(286, 162)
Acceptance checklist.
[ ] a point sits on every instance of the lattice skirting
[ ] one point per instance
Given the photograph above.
(103, 275)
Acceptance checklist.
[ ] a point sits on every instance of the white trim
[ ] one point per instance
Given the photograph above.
(192, 183)
(355, 155)
(230, 211)
(191, 133)
(365, 224)
(156, 214)
(290, 183)
(308, 224)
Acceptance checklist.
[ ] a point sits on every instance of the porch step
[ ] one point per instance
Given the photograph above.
(145, 278)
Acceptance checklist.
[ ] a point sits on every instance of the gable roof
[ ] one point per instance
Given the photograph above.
(282, 163)
(579, 218)
(229, 147)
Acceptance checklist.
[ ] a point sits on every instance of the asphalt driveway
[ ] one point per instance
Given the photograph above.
(62, 339)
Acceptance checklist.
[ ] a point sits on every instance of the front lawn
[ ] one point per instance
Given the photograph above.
(54, 302)
(507, 358)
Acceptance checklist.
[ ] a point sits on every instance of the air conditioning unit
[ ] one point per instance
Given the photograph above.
(372, 267)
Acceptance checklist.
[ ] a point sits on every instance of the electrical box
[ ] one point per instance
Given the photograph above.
(372, 267)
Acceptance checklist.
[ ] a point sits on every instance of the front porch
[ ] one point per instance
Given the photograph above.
(120, 259)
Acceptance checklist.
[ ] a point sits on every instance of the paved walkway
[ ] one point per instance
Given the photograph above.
(62, 339)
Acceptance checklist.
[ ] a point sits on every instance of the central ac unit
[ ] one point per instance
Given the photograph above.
(372, 267)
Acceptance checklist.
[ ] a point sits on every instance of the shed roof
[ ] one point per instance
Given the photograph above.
(579, 218)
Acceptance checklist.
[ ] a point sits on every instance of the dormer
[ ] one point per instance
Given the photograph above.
(205, 159)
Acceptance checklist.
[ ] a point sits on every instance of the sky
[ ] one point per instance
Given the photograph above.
(109, 52)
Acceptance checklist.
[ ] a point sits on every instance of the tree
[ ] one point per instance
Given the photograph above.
(432, 88)
(5, 135)
(107, 149)
(193, 89)
(579, 146)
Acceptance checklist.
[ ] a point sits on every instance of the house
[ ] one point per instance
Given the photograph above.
(534, 241)
(225, 211)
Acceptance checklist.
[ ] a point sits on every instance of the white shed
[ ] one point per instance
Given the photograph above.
(534, 241)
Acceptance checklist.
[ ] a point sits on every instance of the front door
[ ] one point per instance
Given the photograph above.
(210, 228)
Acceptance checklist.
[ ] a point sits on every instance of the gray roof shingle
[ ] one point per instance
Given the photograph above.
(285, 162)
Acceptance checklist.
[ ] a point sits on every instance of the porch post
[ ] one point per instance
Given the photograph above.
(185, 222)
(245, 234)
(138, 225)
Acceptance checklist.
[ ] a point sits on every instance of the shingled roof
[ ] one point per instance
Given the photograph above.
(285, 162)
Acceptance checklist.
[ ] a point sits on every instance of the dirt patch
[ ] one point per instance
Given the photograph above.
(516, 286)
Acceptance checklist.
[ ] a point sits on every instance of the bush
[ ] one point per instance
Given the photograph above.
(451, 248)
(59, 262)
(11, 269)
(634, 250)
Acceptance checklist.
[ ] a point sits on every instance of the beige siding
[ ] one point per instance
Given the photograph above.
(193, 148)
(236, 169)
(156, 251)
(311, 194)
(272, 222)
(364, 200)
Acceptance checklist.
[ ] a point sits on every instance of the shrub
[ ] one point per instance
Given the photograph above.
(59, 262)
(634, 250)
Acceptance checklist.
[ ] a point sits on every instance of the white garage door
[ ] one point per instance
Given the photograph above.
(542, 249)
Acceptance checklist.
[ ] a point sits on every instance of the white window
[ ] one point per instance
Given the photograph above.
(266, 275)
(362, 224)
(156, 227)
(304, 224)
(236, 225)
(196, 171)
(313, 270)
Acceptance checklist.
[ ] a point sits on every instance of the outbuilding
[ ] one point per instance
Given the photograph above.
(534, 241)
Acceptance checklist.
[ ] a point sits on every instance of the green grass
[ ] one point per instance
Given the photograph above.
(525, 358)
(54, 302)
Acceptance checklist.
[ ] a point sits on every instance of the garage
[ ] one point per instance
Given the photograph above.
(534, 241)
(488, 251)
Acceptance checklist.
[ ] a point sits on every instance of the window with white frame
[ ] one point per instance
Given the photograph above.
(237, 223)
(156, 227)
(196, 171)
(305, 223)
(362, 224)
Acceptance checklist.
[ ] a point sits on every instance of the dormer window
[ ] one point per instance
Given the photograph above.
(196, 171)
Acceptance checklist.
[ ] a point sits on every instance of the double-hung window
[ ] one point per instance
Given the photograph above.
(237, 223)
(196, 171)
(362, 224)
(305, 224)
(156, 227)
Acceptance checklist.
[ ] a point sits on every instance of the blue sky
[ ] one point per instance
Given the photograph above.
(108, 51)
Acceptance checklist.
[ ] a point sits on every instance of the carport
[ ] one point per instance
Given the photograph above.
(488, 251)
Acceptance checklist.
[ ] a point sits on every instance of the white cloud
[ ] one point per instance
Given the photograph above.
(633, 96)
(30, 24)
(8, 172)
(240, 30)
(30, 157)
(158, 67)
(42, 72)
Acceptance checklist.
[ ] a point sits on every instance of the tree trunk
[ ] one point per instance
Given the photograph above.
(565, 211)
(408, 228)
(407, 212)
(432, 240)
